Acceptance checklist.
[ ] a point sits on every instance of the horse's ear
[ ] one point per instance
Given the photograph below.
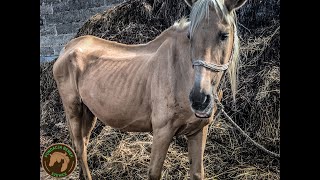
(234, 4)
(190, 2)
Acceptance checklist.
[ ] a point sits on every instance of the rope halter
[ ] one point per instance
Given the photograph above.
(211, 66)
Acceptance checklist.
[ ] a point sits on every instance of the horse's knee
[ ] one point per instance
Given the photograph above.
(153, 175)
(197, 176)
(79, 150)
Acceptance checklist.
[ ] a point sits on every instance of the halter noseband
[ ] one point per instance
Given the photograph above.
(211, 66)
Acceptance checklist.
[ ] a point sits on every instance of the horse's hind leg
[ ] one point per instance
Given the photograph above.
(81, 122)
(88, 122)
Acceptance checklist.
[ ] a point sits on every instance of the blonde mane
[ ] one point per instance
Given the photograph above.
(181, 23)
(200, 10)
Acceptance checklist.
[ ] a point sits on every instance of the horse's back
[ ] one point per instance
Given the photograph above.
(83, 51)
(78, 53)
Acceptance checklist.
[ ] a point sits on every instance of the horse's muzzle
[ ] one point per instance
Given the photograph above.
(201, 105)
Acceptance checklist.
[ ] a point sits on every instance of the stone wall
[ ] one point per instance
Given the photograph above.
(61, 19)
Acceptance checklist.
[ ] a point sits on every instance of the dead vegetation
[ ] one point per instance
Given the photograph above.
(117, 155)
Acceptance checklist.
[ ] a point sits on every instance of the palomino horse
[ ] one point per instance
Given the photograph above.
(167, 86)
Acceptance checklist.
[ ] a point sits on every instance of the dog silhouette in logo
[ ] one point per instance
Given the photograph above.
(57, 157)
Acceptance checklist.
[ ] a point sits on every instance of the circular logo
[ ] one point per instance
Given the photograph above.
(59, 160)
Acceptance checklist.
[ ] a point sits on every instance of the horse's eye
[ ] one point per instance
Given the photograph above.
(224, 36)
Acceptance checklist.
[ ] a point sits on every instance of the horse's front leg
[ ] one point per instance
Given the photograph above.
(160, 144)
(196, 146)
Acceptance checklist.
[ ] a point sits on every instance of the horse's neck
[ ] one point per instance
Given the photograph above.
(180, 65)
(183, 50)
(158, 41)
(182, 60)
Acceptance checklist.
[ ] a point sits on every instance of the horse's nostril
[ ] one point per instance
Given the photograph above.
(204, 99)
(207, 99)
(201, 103)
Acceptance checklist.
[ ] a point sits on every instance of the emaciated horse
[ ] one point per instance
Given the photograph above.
(167, 86)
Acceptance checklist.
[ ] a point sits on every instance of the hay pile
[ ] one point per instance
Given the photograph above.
(116, 155)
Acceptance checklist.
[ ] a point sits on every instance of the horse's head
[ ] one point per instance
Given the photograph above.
(213, 44)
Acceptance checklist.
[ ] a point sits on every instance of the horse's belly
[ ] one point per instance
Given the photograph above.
(119, 106)
(130, 125)
(140, 122)
(123, 116)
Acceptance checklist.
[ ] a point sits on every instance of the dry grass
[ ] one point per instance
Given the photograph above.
(117, 155)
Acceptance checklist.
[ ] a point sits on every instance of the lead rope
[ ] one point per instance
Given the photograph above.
(221, 109)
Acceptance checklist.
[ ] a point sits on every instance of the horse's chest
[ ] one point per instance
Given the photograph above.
(192, 126)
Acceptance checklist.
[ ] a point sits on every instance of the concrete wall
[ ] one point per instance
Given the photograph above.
(61, 19)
